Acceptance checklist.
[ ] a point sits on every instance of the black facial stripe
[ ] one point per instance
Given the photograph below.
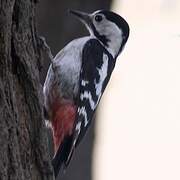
(102, 38)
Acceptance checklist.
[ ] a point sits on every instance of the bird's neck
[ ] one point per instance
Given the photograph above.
(113, 45)
(112, 42)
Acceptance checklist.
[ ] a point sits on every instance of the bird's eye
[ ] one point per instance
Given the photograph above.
(98, 18)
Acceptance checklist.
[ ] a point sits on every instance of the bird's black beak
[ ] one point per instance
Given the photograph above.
(84, 17)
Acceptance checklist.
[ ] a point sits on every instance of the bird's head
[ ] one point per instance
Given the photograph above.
(108, 27)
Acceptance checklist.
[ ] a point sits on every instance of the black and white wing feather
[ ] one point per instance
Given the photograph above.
(97, 66)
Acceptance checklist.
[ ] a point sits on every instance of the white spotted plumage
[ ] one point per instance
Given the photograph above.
(87, 95)
(84, 83)
(98, 85)
(82, 111)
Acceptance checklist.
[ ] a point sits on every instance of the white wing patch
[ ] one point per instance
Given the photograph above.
(103, 74)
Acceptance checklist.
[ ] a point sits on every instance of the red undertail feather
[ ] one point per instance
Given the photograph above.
(62, 121)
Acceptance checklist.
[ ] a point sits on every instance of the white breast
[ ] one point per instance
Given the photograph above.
(63, 80)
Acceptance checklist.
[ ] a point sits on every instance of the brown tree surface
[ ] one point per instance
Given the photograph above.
(23, 143)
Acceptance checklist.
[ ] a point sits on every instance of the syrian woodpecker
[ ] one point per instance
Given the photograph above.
(77, 77)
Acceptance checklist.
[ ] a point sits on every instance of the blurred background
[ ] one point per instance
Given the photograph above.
(136, 134)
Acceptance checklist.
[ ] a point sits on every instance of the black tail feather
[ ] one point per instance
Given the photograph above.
(61, 155)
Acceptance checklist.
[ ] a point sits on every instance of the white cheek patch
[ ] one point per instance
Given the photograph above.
(113, 33)
(103, 74)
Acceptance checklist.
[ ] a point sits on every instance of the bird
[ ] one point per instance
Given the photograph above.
(77, 78)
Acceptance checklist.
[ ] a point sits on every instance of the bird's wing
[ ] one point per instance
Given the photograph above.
(97, 66)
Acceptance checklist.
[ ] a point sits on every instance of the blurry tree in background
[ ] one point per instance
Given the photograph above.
(58, 27)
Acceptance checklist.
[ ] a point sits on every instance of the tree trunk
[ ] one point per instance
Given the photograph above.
(23, 142)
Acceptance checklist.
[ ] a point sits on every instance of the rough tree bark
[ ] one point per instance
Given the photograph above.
(23, 144)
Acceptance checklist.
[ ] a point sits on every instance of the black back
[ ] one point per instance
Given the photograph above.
(92, 60)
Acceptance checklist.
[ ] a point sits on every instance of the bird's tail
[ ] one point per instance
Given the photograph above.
(61, 156)
(62, 125)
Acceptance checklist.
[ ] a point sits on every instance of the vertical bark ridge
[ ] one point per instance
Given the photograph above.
(23, 140)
